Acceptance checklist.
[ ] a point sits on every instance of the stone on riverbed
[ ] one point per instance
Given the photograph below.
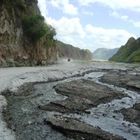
(123, 79)
(82, 94)
(132, 114)
(78, 130)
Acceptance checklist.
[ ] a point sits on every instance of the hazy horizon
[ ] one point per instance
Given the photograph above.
(92, 24)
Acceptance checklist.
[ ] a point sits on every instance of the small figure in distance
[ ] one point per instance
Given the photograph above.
(68, 59)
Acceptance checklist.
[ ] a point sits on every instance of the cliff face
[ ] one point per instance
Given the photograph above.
(69, 51)
(130, 52)
(16, 49)
(11, 33)
(103, 53)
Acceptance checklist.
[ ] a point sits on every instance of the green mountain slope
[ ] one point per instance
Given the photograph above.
(129, 53)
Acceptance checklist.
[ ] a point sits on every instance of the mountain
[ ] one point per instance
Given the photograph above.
(104, 53)
(129, 53)
(69, 51)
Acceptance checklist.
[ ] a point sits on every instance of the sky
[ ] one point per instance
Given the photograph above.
(92, 24)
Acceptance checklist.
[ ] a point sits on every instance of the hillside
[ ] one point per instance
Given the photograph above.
(25, 38)
(104, 53)
(129, 53)
(69, 51)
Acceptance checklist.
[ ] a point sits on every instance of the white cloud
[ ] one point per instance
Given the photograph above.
(135, 23)
(125, 18)
(65, 6)
(68, 26)
(87, 13)
(108, 38)
(117, 15)
(71, 31)
(115, 4)
(43, 7)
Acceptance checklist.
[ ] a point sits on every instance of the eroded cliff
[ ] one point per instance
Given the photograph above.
(69, 51)
(16, 47)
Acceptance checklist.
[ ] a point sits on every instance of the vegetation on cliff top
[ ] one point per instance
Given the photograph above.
(130, 52)
(34, 25)
(35, 28)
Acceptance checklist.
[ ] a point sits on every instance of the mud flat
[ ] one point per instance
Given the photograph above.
(126, 79)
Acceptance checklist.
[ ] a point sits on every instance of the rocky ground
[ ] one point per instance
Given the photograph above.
(81, 95)
(130, 80)
(71, 103)
(29, 112)
(77, 130)
(132, 114)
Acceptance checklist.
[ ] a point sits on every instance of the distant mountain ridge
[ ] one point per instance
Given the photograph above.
(104, 53)
(69, 51)
(129, 53)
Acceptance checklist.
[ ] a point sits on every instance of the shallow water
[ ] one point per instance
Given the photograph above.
(104, 116)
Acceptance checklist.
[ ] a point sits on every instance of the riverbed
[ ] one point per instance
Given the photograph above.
(35, 107)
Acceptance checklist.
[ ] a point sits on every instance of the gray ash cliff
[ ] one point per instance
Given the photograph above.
(16, 48)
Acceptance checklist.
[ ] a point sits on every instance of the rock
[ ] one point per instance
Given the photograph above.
(82, 95)
(10, 62)
(79, 130)
(132, 114)
(122, 79)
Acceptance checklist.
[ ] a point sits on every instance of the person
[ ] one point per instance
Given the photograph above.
(68, 59)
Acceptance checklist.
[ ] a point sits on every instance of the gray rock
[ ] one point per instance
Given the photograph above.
(82, 95)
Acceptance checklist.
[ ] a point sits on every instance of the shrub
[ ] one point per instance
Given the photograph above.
(35, 28)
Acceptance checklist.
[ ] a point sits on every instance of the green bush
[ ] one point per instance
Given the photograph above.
(35, 28)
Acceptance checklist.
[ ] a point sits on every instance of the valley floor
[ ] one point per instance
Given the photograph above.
(34, 103)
